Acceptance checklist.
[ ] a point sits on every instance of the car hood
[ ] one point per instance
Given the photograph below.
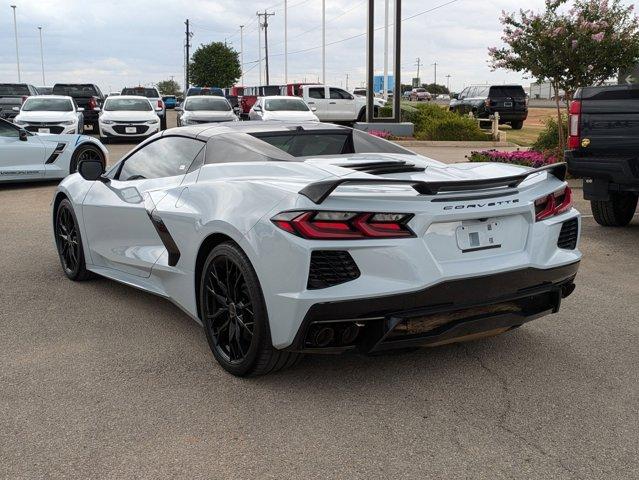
(288, 116)
(46, 116)
(209, 115)
(128, 116)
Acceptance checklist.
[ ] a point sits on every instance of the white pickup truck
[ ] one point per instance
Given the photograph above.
(334, 104)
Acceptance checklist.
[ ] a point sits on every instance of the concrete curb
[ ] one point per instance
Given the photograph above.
(430, 143)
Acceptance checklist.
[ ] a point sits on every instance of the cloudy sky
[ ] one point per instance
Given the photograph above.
(116, 43)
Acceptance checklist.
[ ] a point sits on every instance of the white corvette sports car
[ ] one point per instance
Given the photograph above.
(26, 156)
(282, 239)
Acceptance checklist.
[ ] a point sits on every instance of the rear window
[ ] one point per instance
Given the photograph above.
(141, 92)
(75, 90)
(507, 91)
(45, 90)
(13, 89)
(285, 105)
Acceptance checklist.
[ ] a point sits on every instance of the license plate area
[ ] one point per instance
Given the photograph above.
(130, 130)
(44, 130)
(508, 104)
(476, 235)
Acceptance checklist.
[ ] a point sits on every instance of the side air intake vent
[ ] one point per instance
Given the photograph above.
(568, 235)
(331, 267)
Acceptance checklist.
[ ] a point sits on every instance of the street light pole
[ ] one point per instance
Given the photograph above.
(285, 42)
(42, 56)
(324, 42)
(15, 31)
(448, 82)
(385, 83)
(242, 52)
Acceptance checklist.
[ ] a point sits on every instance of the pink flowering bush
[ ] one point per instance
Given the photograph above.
(380, 133)
(527, 158)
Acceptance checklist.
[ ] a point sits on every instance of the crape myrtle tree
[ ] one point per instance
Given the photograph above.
(569, 46)
(168, 87)
(215, 65)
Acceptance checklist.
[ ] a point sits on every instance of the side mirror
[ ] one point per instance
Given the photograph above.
(23, 135)
(236, 110)
(15, 109)
(456, 96)
(91, 170)
(178, 109)
(257, 108)
(313, 109)
(80, 109)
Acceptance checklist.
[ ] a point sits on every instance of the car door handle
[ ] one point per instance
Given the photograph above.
(310, 103)
(332, 103)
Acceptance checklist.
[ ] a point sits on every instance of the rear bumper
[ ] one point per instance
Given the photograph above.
(603, 174)
(507, 116)
(449, 311)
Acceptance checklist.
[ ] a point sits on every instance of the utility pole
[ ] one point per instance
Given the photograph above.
(265, 24)
(419, 63)
(324, 42)
(385, 83)
(347, 82)
(285, 42)
(242, 52)
(188, 56)
(259, 44)
(435, 64)
(42, 56)
(15, 31)
(448, 82)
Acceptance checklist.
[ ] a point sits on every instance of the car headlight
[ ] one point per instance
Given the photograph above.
(152, 122)
(107, 122)
(68, 122)
(185, 121)
(19, 122)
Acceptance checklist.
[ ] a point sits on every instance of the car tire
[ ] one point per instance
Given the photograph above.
(85, 152)
(163, 122)
(69, 243)
(616, 212)
(241, 347)
(105, 140)
(517, 125)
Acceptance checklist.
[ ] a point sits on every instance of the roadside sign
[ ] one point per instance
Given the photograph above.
(629, 77)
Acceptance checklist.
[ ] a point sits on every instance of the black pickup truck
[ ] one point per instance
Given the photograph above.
(603, 149)
(86, 95)
(12, 95)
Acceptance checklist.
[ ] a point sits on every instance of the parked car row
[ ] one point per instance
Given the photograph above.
(482, 101)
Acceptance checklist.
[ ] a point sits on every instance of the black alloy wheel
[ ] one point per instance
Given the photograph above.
(85, 152)
(69, 242)
(234, 315)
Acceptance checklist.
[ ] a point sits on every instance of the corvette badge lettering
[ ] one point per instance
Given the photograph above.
(481, 205)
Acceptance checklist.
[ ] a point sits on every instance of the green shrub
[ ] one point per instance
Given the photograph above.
(548, 139)
(433, 122)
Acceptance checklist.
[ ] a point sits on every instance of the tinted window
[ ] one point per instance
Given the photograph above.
(8, 130)
(115, 104)
(142, 92)
(45, 90)
(81, 90)
(338, 94)
(14, 89)
(316, 92)
(365, 143)
(166, 157)
(214, 104)
(285, 104)
(310, 144)
(242, 147)
(43, 104)
(507, 91)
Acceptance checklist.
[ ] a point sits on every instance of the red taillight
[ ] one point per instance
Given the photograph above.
(160, 104)
(574, 118)
(92, 103)
(24, 98)
(344, 225)
(553, 204)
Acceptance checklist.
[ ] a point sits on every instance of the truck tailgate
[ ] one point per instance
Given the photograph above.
(610, 121)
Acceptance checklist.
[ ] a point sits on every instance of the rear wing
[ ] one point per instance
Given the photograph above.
(319, 191)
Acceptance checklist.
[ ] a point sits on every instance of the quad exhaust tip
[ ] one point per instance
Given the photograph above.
(340, 334)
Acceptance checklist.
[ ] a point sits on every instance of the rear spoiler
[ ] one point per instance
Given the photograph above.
(319, 191)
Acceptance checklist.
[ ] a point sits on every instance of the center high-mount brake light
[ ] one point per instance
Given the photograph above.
(554, 204)
(315, 225)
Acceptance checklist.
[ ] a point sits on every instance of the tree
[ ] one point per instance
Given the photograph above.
(584, 45)
(215, 65)
(435, 88)
(168, 87)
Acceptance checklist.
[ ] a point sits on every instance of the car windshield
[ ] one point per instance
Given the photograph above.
(211, 104)
(75, 90)
(13, 89)
(35, 104)
(285, 105)
(141, 92)
(127, 105)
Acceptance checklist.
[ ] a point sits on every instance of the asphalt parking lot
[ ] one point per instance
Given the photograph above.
(101, 381)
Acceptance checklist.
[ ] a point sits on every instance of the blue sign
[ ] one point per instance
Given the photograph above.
(378, 83)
